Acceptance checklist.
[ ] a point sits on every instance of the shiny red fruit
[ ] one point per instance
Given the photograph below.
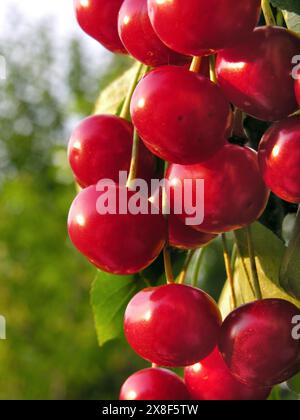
(297, 89)
(185, 237)
(101, 146)
(195, 26)
(211, 380)
(257, 342)
(181, 116)
(256, 75)
(279, 159)
(116, 243)
(154, 384)
(139, 38)
(99, 19)
(235, 194)
(173, 325)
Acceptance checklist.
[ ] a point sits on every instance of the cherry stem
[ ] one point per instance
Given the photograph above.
(196, 64)
(168, 265)
(254, 272)
(227, 260)
(134, 158)
(268, 13)
(189, 257)
(125, 108)
(199, 261)
(242, 259)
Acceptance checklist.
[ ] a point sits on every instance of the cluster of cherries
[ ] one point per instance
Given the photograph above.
(186, 119)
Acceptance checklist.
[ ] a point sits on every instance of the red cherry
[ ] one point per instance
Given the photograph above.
(185, 237)
(297, 89)
(99, 19)
(101, 146)
(116, 243)
(172, 325)
(235, 194)
(211, 380)
(190, 27)
(181, 116)
(279, 158)
(139, 38)
(257, 343)
(256, 75)
(154, 384)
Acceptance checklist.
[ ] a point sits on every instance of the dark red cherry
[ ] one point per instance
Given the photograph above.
(256, 75)
(101, 146)
(297, 89)
(279, 159)
(193, 26)
(185, 237)
(257, 342)
(154, 384)
(116, 243)
(181, 116)
(172, 325)
(211, 380)
(99, 19)
(139, 38)
(235, 194)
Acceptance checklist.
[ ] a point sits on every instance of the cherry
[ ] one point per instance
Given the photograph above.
(99, 19)
(185, 237)
(101, 146)
(211, 380)
(257, 343)
(235, 194)
(154, 384)
(279, 158)
(172, 325)
(116, 243)
(256, 75)
(297, 89)
(195, 26)
(181, 116)
(139, 38)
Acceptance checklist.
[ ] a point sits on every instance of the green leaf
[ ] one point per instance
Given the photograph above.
(292, 21)
(269, 251)
(290, 267)
(111, 98)
(289, 5)
(294, 384)
(110, 296)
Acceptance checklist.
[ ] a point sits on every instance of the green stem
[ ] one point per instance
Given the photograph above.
(268, 13)
(227, 260)
(134, 158)
(196, 64)
(198, 267)
(182, 276)
(254, 272)
(242, 259)
(125, 109)
(280, 18)
(168, 265)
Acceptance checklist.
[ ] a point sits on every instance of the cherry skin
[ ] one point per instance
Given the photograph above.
(116, 243)
(139, 38)
(256, 75)
(101, 146)
(172, 325)
(195, 26)
(279, 159)
(235, 193)
(181, 116)
(154, 384)
(99, 19)
(211, 380)
(185, 237)
(257, 342)
(297, 89)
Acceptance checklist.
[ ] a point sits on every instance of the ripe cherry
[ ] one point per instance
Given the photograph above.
(235, 193)
(279, 158)
(257, 342)
(211, 380)
(181, 116)
(256, 75)
(193, 27)
(154, 384)
(101, 146)
(139, 38)
(116, 243)
(172, 325)
(99, 19)
(185, 237)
